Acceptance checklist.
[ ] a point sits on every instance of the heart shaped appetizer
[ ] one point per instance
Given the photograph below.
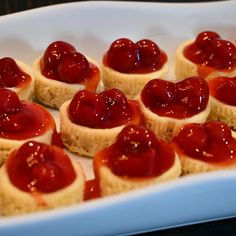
(38, 176)
(128, 66)
(137, 159)
(167, 106)
(208, 56)
(97, 116)
(61, 72)
(205, 147)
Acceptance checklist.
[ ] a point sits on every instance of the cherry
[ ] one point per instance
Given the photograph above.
(117, 108)
(122, 55)
(87, 109)
(218, 131)
(193, 93)
(73, 68)
(9, 101)
(192, 138)
(10, 74)
(148, 52)
(52, 56)
(135, 139)
(205, 38)
(159, 91)
(225, 89)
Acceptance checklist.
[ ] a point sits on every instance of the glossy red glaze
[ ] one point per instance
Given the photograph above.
(209, 142)
(92, 189)
(37, 167)
(178, 100)
(11, 75)
(62, 62)
(128, 57)
(137, 153)
(105, 110)
(211, 52)
(223, 89)
(31, 120)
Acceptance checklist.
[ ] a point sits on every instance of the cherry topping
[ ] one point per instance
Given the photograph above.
(135, 139)
(53, 54)
(210, 50)
(192, 138)
(122, 54)
(87, 109)
(210, 142)
(224, 89)
(9, 102)
(128, 57)
(193, 92)
(38, 167)
(148, 52)
(179, 100)
(10, 74)
(136, 153)
(73, 68)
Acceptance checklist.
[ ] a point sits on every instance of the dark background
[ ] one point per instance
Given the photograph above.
(216, 228)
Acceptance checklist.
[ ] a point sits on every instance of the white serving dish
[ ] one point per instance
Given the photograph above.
(91, 27)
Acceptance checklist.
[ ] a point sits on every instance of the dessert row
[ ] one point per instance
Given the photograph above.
(138, 127)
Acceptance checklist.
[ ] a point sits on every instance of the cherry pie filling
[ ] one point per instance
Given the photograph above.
(107, 109)
(137, 154)
(210, 52)
(223, 89)
(63, 63)
(40, 168)
(11, 75)
(177, 100)
(210, 142)
(21, 120)
(141, 57)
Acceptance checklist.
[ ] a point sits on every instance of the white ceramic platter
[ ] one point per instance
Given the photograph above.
(91, 27)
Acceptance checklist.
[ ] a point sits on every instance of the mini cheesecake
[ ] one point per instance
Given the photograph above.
(129, 66)
(207, 56)
(167, 106)
(49, 179)
(59, 78)
(223, 100)
(21, 121)
(17, 76)
(137, 159)
(204, 147)
(91, 121)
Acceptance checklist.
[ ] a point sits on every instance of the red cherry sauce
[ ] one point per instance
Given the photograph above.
(210, 52)
(141, 57)
(223, 89)
(209, 142)
(107, 109)
(11, 75)
(21, 120)
(177, 100)
(40, 168)
(137, 154)
(92, 190)
(62, 62)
